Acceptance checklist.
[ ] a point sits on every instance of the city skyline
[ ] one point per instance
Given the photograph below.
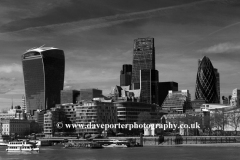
(99, 40)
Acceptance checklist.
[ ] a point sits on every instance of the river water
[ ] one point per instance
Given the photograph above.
(141, 153)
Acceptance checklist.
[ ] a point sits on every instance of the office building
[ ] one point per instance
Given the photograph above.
(143, 58)
(177, 101)
(51, 118)
(126, 75)
(23, 103)
(128, 112)
(163, 88)
(124, 94)
(14, 113)
(70, 96)
(95, 112)
(15, 126)
(69, 110)
(217, 83)
(43, 71)
(206, 83)
(235, 98)
(89, 94)
(149, 86)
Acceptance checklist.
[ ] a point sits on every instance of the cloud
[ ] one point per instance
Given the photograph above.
(221, 48)
(10, 68)
(94, 23)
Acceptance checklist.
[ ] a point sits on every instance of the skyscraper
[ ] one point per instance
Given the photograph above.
(206, 83)
(126, 75)
(149, 86)
(217, 83)
(43, 71)
(143, 58)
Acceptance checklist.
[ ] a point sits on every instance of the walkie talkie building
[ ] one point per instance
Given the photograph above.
(207, 82)
(43, 71)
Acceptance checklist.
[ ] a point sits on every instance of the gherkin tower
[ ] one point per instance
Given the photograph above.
(206, 83)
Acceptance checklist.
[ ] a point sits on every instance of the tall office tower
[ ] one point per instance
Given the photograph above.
(143, 58)
(43, 71)
(217, 83)
(163, 88)
(23, 103)
(89, 94)
(70, 96)
(126, 75)
(149, 86)
(206, 83)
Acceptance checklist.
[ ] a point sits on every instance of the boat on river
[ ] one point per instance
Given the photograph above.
(22, 146)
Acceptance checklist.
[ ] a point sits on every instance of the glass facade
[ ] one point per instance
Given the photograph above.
(70, 96)
(149, 86)
(128, 112)
(207, 83)
(126, 75)
(143, 58)
(89, 94)
(43, 71)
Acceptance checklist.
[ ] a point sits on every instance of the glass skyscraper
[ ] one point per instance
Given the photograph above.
(43, 71)
(207, 83)
(126, 75)
(143, 58)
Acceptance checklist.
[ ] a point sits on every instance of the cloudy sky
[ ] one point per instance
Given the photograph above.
(97, 38)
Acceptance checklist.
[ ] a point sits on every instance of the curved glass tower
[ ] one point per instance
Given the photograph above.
(43, 71)
(206, 83)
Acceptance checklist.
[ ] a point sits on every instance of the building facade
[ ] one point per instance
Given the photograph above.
(128, 112)
(177, 101)
(70, 96)
(163, 88)
(14, 113)
(149, 86)
(235, 98)
(89, 94)
(206, 83)
(95, 112)
(143, 58)
(15, 126)
(51, 118)
(43, 71)
(126, 75)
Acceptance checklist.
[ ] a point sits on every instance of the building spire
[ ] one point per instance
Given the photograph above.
(12, 104)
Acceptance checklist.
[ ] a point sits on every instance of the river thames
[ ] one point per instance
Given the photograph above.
(141, 153)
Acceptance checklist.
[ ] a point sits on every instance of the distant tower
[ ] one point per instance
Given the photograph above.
(12, 104)
(23, 103)
(206, 83)
(126, 75)
(143, 58)
(43, 71)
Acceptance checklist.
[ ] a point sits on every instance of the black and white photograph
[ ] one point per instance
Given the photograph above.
(119, 79)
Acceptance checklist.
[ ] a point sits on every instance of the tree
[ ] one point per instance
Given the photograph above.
(218, 119)
(234, 119)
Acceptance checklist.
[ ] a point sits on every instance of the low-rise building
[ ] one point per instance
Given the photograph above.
(15, 126)
(95, 112)
(51, 118)
(177, 101)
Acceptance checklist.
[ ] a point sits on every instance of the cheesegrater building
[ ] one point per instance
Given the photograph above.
(43, 71)
(207, 83)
